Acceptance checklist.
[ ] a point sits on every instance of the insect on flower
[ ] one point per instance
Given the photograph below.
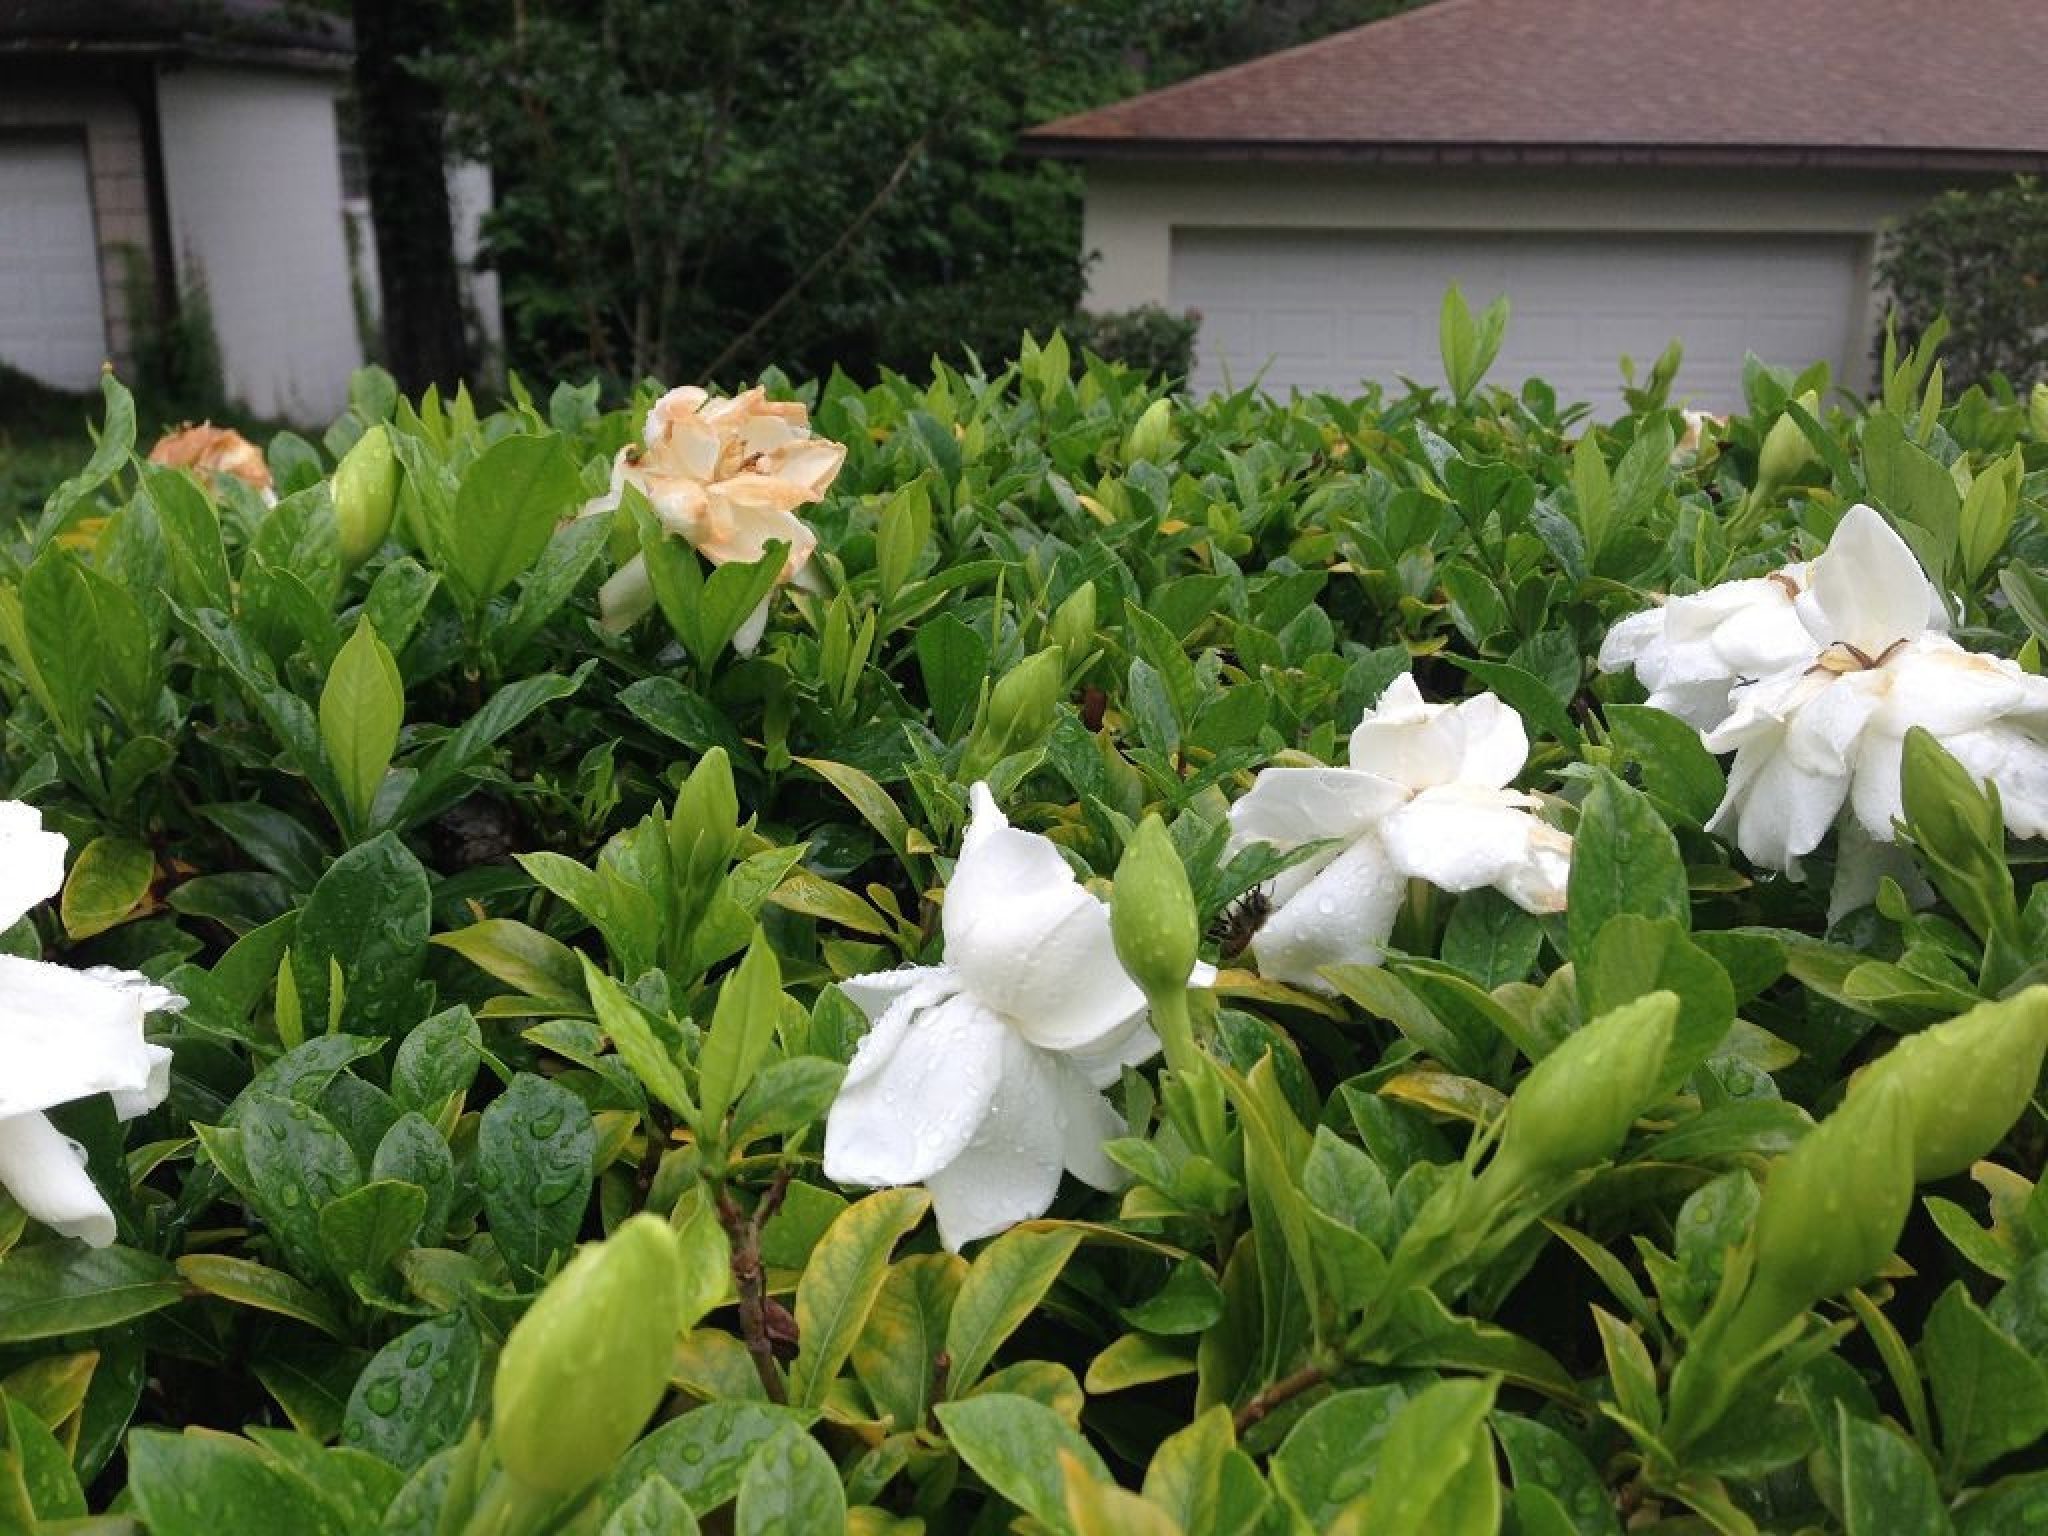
(1239, 922)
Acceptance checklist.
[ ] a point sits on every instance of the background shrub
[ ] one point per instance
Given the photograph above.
(1981, 258)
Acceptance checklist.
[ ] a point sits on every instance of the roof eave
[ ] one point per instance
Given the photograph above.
(295, 57)
(1054, 146)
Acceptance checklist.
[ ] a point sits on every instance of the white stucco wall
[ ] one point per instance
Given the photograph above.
(112, 130)
(1133, 209)
(253, 175)
(470, 197)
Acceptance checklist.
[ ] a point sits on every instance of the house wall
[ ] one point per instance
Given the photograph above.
(470, 197)
(112, 126)
(1132, 210)
(253, 175)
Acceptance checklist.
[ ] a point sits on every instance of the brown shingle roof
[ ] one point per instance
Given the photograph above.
(1959, 84)
(250, 31)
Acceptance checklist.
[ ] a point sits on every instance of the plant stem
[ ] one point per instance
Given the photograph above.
(751, 1282)
(1278, 1394)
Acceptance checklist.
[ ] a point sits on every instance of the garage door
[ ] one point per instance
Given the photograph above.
(1323, 311)
(51, 324)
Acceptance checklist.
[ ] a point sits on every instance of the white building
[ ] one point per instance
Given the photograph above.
(1626, 171)
(151, 150)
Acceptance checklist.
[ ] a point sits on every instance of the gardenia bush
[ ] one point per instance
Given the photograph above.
(1021, 951)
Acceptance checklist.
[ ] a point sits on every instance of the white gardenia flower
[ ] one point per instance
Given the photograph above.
(1819, 735)
(64, 1035)
(727, 475)
(1425, 797)
(982, 1077)
(1694, 438)
(1691, 651)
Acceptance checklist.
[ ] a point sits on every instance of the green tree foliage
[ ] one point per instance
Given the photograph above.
(692, 190)
(1981, 258)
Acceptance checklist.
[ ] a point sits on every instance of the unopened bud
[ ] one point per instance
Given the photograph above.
(585, 1368)
(1786, 450)
(365, 492)
(1964, 1083)
(1073, 624)
(1151, 436)
(1832, 1211)
(1959, 829)
(1152, 913)
(2037, 411)
(1019, 713)
(1575, 1107)
(705, 828)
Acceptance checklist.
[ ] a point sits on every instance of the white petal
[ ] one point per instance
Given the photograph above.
(65, 1036)
(1766, 637)
(1540, 882)
(873, 993)
(1405, 739)
(1459, 838)
(2016, 760)
(1631, 639)
(1868, 589)
(45, 1173)
(626, 597)
(623, 473)
(812, 463)
(31, 861)
(1010, 1171)
(1937, 684)
(1089, 1120)
(1877, 793)
(1704, 705)
(1775, 810)
(1287, 807)
(1861, 862)
(752, 628)
(1028, 941)
(1822, 735)
(154, 996)
(1475, 741)
(132, 1103)
(1342, 917)
(918, 1088)
(1131, 1046)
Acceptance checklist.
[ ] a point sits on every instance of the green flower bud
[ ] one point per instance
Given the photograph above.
(1957, 825)
(1575, 1107)
(1964, 1083)
(1786, 450)
(1151, 436)
(2037, 411)
(1152, 913)
(1019, 712)
(365, 493)
(586, 1367)
(705, 828)
(1073, 625)
(1832, 1211)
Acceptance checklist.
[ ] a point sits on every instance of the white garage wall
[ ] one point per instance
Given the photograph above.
(62, 102)
(470, 197)
(1327, 309)
(1134, 209)
(53, 326)
(252, 171)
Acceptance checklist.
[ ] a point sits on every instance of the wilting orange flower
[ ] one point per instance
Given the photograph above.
(214, 451)
(727, 476)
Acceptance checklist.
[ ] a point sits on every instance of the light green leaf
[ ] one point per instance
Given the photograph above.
(362, 708)
(107, 883)
(1014, 1445)
(840, 1282)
